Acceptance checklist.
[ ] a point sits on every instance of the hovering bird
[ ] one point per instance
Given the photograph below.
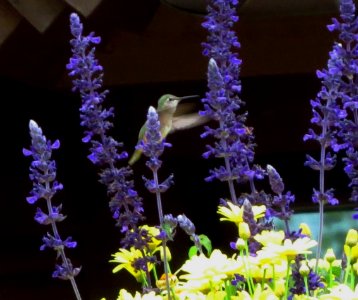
(170, 119)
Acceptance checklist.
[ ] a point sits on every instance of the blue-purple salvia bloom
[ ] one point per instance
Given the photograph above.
(348, 71)
(326, 116)
(234, 140)
(153, 146)
(45, 186)
(327, 112)
(125, 204)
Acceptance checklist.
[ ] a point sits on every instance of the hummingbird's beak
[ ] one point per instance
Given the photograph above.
(188, 97)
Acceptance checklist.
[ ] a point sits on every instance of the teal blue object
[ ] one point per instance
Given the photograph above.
(336, 225)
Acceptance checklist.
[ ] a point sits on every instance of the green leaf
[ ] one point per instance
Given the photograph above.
(192, 251)
(205, 241)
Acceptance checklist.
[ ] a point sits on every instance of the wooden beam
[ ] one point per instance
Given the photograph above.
(40, 13)
(85, 7)
(9, 19)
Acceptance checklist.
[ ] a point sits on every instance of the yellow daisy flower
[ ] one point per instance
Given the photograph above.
(289, 250)
(124, 295)
(270, 237)
(125, 259)
(234, 213)
(259, 294)
(153, 232)
(203, 272)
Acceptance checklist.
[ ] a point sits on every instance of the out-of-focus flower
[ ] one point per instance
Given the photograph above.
(203, 272)
(289, 250)
(125, 295)
(260, 294)
(341, 292)
(267, 237)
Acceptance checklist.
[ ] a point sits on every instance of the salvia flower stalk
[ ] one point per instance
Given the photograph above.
(347, 69)
(327, 112)
(153, 146)
(125, 203)
(234, 140)
(45, 186)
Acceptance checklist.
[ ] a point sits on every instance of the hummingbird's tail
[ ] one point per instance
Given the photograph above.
(135, 156)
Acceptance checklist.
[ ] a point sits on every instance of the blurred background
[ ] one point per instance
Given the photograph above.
(149, 47)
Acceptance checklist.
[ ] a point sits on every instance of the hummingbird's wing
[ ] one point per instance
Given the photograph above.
(188, 121)
(185, 108)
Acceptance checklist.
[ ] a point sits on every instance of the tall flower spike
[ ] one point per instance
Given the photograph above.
(125, 204)
(153, 146)
(348, 71)
(222, 103)
(45, 186)
(326, 116)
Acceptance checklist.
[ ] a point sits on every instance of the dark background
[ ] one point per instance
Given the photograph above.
(278, 80)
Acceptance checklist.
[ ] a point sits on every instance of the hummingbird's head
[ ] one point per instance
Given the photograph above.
(171, 102)
(168, 101)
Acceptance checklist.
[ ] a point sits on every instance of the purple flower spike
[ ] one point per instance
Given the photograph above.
(45, 186)
(348, 66)
(125, 204)
(234, 140)
(152, 147)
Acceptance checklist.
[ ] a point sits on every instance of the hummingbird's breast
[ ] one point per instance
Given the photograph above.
(166, 121)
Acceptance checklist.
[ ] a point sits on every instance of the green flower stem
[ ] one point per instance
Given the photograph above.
(161, 222)
(352, 279)
(263, 279)
(228, 290)
(250, 282)
(155, 274)
(144, 279)
(147, 280)
(320, 234)
(330, 275)
(348, 268)
(173, 293)
(287, 277)
(273, 277)
(305, 279)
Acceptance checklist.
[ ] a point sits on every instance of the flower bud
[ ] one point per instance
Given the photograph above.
(352, 238)
(304, 269)
(240, 244)
(275, 180)
(167, 252)
(244, 231)
(354, 253)
(330, 256)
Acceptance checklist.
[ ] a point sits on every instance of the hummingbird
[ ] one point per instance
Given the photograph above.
(172, 117)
